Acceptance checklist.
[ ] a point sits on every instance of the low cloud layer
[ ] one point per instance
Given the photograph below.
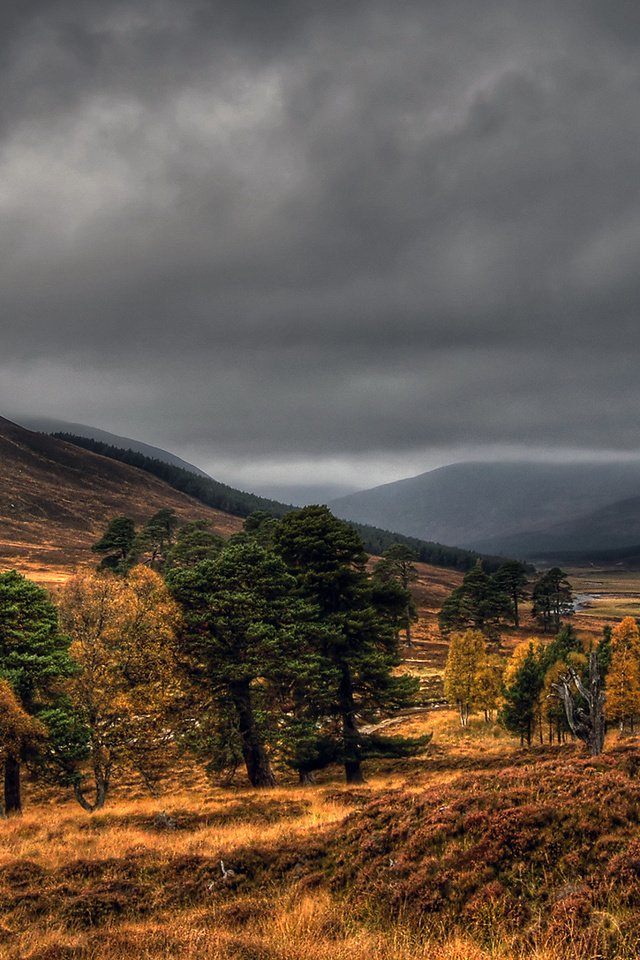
(323, 241)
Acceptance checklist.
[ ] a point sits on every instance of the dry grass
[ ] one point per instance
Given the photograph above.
(117, 885)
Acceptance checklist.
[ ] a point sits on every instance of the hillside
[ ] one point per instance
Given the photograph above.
(511, 508)
(49, 425)
(55, 498)
(241, 503)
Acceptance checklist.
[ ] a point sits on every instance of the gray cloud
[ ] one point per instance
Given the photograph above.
(304, 238)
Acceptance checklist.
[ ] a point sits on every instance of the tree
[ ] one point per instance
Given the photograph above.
(243, 640)
(466, 652)
(194, 541)
(511, 579)
(358, 644)
(477, 604)
(19, 732)
(488, 684)
(34, 658)
(155, 538)
(123, 640)
(522, 695)
(398, 565)
(116, 543)
(586, 718)
(552, 599)
(623, 676)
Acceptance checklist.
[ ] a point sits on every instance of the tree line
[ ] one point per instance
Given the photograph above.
(550, 688)
(266, 651)
(240, 503)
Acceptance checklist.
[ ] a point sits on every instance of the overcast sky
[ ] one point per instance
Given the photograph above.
(323, 242)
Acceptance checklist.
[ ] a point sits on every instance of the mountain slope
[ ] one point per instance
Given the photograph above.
(48, 425)
(55, 498)
(498, 507)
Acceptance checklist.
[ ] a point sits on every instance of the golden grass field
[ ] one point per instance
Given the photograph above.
(117, 885)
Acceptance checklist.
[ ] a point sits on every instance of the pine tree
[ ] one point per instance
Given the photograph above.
(359, 642)
(116, 544)
(522, 696)
(511, 579)
(34, 658)
(552, 599)
(398, 566)
(244, 641)
(479, 603)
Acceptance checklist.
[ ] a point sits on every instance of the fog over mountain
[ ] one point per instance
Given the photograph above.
(305, 244)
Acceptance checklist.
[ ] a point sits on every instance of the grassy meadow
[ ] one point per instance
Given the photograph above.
(477, 850)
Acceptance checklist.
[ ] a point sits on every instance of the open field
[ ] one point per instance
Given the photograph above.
(336, 872)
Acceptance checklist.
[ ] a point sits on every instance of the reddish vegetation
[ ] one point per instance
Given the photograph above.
(538, 848)
(55, 499)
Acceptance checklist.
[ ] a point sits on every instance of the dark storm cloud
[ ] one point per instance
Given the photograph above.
(300, 232)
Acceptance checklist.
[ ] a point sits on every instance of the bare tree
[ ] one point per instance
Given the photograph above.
(585, 716)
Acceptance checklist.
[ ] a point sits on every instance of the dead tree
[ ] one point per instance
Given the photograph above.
(585, 717)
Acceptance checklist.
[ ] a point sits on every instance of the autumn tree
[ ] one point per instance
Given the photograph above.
(397, 565)
(34, 659)
(552, 599)
(623, 677)
(19, 733)
(466, 652)
(123, 640)
(488, 684)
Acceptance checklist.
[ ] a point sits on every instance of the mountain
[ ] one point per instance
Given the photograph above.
(510, 508)
(55, 498)
(48, 425)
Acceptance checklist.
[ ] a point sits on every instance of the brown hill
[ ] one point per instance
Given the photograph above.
(56, 498)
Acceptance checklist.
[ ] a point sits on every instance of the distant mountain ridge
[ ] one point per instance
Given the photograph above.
(49, 425)
(515, 508)
(240, 503)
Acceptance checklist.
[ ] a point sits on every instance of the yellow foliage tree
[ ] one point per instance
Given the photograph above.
(466, 653)
(623, 679)
(488, 684)
(123, 640)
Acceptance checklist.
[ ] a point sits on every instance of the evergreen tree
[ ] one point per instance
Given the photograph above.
(398, 566)
(194, 541)
(522, 696)
(552, 599)
(359, 642)
(34, 658)
(511, 579)
(244, 640)
(479, 603)
(116, 543)
(154, 540)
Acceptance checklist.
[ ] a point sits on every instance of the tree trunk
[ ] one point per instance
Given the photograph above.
(12, 790)
(408, 626)
(307, 778)
(516, 612)
(350, 733)
(585, 721)
(253, 751)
